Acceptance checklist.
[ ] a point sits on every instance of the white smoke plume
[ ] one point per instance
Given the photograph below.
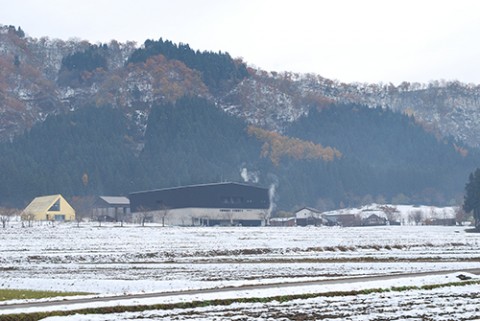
(249, 177)
(271, 194)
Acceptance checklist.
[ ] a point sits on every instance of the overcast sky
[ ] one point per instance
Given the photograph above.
(348, 40)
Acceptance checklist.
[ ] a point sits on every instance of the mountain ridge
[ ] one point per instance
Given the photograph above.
(30, 89)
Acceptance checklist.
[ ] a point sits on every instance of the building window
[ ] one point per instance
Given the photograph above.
(55, 207)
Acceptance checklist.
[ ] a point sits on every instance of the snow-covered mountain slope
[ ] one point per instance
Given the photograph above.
(32, 86)
(272, 100)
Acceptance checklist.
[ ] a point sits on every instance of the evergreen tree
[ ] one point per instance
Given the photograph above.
(218, 70)
(472, 196)
(78, 64)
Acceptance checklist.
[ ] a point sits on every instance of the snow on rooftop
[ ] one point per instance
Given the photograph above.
(119, 200)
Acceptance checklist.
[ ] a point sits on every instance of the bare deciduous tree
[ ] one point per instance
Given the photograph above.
(460, 215)
(265, 216)
(6, 214)
(416, 216)
(391, 212)
(100, 218)
(164, 211)
(143, 213)
(28, 217)
(120, 216)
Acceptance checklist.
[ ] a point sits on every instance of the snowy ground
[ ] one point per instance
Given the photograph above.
(112, 260)
(452, 303)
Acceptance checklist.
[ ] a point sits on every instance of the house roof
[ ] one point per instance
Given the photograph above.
(116, 200)
(42, 203)
(311, 209)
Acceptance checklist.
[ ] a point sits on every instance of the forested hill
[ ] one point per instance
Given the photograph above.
(375, 154)
(387, 155)
(218, 70)
(85, 119)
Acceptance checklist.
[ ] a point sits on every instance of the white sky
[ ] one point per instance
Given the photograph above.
(347, 40)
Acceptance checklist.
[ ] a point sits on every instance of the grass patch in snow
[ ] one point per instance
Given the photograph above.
(14, 294)
(224, 302)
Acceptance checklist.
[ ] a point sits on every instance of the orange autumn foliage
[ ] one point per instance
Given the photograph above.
(276, 146)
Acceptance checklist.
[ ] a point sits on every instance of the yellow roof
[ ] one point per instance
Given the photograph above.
(42, 203)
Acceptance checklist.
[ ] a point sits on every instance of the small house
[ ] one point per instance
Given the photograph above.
(374, 220)
(309, 216)
(50, 208)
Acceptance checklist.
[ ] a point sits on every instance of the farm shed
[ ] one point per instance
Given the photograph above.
(111, 208)
(309, 216)
(49, 208)
(374, 220)
(206, 204)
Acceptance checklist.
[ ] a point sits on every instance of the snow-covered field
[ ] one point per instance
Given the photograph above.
(452, 303)
(132, 259)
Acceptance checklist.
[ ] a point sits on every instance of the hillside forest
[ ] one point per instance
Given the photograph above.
(85, 119)
(341, 155)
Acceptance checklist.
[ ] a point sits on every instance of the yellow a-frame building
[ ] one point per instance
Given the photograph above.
(50, 208)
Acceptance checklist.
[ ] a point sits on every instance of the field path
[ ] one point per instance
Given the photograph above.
(55, 304)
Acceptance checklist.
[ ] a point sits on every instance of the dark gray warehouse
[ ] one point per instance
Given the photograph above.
(206, 204)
